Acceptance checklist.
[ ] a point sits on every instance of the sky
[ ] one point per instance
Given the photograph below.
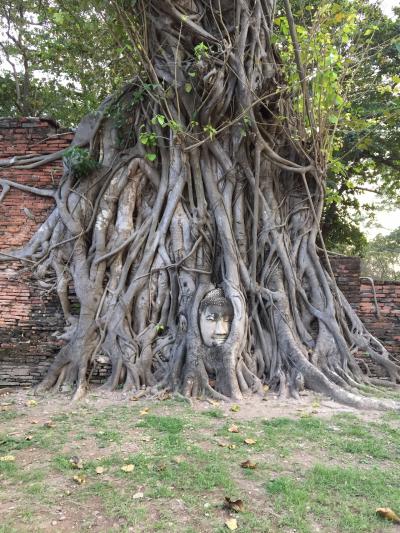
(387, 6)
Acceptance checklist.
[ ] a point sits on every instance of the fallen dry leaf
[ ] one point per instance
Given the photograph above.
(315, 404)
(250, 442)
(145, 411)
(28, 437)
(31, 403)
(265, 388)
(233, 429)
(178, 459)
(99, 470)
(49, 424)
(248, 464)
(127, 468)
(164, 396)
(79, 479)
(34, 421)
(138, 495)
(235, 408)
(388, 514)
(7, 458)
(146, 439)
(161, 466)
(227, 445)
(231, 524)
(233, 505)
(76, 462)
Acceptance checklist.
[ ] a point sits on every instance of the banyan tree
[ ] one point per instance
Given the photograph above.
(187, 221)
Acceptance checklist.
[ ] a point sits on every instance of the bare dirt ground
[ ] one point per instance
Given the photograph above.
(271, 406)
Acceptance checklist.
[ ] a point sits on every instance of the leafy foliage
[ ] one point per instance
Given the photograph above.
(79, 161)
(61, 58)
(382, 257)
(350, 52)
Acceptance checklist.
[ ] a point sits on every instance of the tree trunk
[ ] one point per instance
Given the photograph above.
(202, 183)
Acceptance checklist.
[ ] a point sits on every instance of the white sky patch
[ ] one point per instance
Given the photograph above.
(386, 220)
(387, 7)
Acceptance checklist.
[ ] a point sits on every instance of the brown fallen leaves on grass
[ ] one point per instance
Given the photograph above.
(233, 505)
(127, 468)
(231, 524)
(248, 464)
(76, 462)
(233, 429)
(250, 442)
(227, 445)
(79, 479)
(7, 458)
(388, 514)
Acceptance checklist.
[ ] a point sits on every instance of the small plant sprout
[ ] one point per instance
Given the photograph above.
(147, 138)
(210, 130)
(201, 50)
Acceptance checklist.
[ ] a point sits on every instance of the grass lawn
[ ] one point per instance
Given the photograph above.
(168, 465)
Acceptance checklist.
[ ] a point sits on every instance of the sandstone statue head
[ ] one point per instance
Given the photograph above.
(216, 314)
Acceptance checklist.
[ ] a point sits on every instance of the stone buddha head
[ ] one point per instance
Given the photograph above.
(216, 314)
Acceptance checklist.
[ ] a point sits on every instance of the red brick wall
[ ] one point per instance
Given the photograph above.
(347, 272)
(28, 316)
(383, 319)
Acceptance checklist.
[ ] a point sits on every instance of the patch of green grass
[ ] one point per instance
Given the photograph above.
(6, 416)
(343, 499)
(214, 413)
(8, 528)
(9, 444)
(8, 469)
(342, 434)
(62, 463)
(108, 436)
(166, 424)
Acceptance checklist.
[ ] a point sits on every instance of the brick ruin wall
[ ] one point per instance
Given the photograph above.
(30, 316)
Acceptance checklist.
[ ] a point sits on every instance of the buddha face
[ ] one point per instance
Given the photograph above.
(216, 315)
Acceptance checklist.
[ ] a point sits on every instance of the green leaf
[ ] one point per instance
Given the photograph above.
(151, 157)
(188, 88)
(160, 119)
(58, 18)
